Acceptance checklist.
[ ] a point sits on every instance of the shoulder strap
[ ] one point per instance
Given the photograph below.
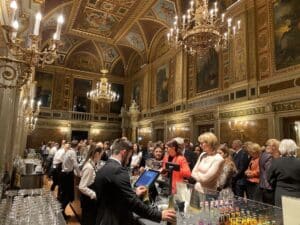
(201, 155)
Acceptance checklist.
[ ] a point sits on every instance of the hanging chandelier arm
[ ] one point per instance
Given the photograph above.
(9, 59)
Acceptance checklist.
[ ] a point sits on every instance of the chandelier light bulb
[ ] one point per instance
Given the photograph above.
(223, 17)
(60, 19)
(239, 24)
(38, 18)
(229, 21)
(234, 30)
(14, 7)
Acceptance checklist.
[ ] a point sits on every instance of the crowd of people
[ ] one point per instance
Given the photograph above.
(261, 173)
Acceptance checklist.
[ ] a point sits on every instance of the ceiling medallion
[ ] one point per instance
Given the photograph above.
(201, 29)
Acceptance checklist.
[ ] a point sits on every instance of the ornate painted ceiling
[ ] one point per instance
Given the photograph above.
(111, 33)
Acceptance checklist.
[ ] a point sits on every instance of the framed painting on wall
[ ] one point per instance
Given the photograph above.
(207, 72)
(162, 84)
(286, 33)
(44, 88)
(80, 101)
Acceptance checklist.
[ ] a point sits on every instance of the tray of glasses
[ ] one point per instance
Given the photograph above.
(27, 207)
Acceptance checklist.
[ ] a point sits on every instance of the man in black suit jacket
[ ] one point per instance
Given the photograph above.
(115, 198)
(189, 155)
(241, 160)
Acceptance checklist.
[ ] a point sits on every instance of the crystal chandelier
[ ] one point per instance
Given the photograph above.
(103, 92)
(201, 29)
(29, 56)
(31, 113)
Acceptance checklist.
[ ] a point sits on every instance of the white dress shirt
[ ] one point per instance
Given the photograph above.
(136, 159)
(88, 175)
(70, 162)
(58, 157)
(52, 151)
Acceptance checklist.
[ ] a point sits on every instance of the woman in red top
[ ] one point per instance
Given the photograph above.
(252, 173)
(174, 156)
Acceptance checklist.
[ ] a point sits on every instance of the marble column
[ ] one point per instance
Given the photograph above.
(7, 118)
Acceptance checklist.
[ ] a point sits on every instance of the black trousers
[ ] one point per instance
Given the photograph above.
(252, 191)
(239, 189)
(66, 189)
(267, 196)
(55, 173)
(89, 210)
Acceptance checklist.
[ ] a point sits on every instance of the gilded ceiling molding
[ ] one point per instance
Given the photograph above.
(135, 50)
(39, 1)
(53, 11)
(144, 38)
(72, 50)
(139, 11)
(153, 47)
(155, 20)
(80, 73)
(122, 58)
(100, 53)
(115, 62)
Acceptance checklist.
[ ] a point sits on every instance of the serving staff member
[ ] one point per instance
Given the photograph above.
(67, 176)
(88, 195)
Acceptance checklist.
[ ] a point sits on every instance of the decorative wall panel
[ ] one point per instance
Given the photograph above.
(256, 131)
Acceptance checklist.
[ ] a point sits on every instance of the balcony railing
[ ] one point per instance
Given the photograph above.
(79, 116)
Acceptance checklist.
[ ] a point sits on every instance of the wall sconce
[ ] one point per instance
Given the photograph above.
(95, 131)
(179, 128)
(64, 130)
(145, 130)
(239, 126)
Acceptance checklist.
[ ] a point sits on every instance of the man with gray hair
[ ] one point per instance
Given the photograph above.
(116, 200)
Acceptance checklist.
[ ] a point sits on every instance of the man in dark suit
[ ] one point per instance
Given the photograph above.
(241, 160)
(189, 155)
(116, 200)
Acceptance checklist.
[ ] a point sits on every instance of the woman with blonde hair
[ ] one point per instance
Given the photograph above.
(252, 173)
(229, 170)
(284, 172)
(208, 167)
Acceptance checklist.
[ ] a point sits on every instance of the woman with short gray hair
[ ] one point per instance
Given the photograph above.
(288, 147)
(284, 173)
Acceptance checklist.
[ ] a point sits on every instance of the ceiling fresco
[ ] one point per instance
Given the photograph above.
(109, 52)
(165, 11)
(118, 29)
(103, 18)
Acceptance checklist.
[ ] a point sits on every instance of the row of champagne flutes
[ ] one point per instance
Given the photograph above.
(32, 206)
